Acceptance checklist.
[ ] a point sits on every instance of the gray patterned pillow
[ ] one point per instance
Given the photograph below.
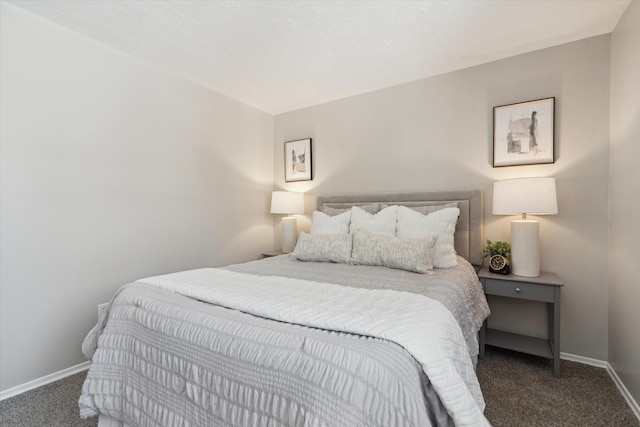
(371, 208)
(405, 254)
(427, 209)
(323, 248)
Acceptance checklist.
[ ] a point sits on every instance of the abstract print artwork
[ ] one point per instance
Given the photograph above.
(297, 160)
(523, 133)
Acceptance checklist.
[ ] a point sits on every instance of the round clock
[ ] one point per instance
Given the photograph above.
(499, 264)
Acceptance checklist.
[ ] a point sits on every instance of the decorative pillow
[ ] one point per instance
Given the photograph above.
(323, 248)
(412, 224)
(427, 209)
(371, 208)
(325, 224)
(394, 252)
(384, 222)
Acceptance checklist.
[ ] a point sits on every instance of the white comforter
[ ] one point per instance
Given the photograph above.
(419, 324)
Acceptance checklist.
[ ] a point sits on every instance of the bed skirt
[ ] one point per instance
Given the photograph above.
(105, 421)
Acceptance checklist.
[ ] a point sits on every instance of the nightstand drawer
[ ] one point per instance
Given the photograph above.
(528, 291)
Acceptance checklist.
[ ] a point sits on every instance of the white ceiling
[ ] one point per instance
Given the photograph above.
(284, 55)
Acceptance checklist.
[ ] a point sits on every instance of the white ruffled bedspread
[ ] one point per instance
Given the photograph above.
(272, 350)
(434, 338)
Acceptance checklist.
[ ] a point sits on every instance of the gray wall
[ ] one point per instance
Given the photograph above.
(111, 171)
(436, 133)
(624, 196)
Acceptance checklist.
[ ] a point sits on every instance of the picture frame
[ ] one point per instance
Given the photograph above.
(297, 160)
(523, 133)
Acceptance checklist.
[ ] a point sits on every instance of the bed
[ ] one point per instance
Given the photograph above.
(285, 341)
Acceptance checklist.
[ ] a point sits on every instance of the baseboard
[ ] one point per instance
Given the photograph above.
(612, 373)
(584, 360)
(623, 390)
(39, 382)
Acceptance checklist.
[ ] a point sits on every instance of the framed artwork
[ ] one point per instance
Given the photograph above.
(297, 160)
(523, 133)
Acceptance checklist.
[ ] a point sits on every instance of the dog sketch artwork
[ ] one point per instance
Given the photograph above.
(523, 133)
(297, 160)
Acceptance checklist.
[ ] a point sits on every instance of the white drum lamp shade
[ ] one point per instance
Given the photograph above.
(288, 203)
(522, 196)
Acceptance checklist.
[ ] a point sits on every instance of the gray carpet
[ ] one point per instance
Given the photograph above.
(520, 390)
(52, 405)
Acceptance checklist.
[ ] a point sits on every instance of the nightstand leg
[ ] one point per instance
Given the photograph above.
(554, 332)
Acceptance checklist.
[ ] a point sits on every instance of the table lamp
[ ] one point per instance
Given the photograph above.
(288, 203)
(522, 196)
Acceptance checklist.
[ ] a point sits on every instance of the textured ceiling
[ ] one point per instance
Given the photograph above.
(284, 55)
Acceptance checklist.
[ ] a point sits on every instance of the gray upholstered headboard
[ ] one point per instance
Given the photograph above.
(468, 237)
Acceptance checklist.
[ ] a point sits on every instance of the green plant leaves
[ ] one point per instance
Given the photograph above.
(496, 248)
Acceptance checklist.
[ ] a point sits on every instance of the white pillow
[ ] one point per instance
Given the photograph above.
(325, 224)
(384, 222)
(414, 225)
(323, 248)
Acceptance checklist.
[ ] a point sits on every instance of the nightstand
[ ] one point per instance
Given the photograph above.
(272, 253)
(544, 288)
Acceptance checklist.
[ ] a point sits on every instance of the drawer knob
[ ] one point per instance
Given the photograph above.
(518, 290)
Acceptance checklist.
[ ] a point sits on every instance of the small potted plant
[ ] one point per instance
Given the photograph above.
(499, 254)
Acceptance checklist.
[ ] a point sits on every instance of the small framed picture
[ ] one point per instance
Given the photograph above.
(297, 160)
(523, 133)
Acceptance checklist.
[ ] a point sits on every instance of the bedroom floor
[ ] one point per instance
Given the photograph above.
(519, 390)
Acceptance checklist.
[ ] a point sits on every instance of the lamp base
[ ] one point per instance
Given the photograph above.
(525, 248)
(289, 233)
